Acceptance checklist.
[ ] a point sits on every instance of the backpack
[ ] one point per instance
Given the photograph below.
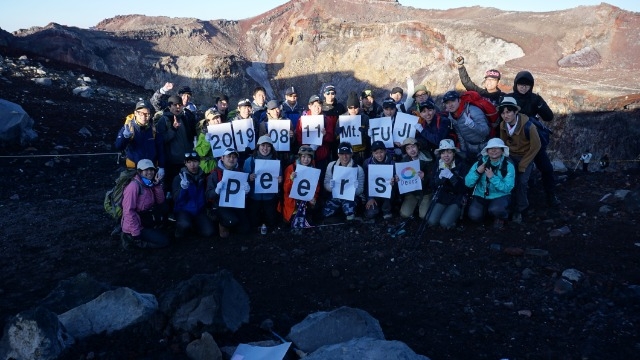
(113, 197)
(487, 107)
(543, 131)
(503, 166)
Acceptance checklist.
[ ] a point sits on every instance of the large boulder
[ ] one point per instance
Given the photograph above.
(113, 310)
(207, 302)
(16, 127)
(34, 334)
(73, 292)
(340, 325)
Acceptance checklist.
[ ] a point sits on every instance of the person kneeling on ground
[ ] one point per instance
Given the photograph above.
(450, 171)
(373, 206)
(295, 211)
(492, 179)
(333, 204)
(228, 217)
(144, 209)
(189, 189)
(418, 198)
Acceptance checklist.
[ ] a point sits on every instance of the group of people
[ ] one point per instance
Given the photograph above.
(460, 163)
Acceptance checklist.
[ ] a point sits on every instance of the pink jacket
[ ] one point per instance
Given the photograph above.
(136, 198)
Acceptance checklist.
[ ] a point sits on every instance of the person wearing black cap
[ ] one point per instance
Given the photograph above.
(189, 189)
(322, 152)
(178, 132)
(470, 125)
(332, 205)
(431, 127)
(369, 105)
(534, 106)
(139, 139)
(290, 107)
(396, 94)
(186, 94)
(228, 217)
(376, 205)
(389, 109)
(330, 105)
(361, 151)
(491, 91)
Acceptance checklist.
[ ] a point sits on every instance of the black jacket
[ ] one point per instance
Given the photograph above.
(531, 104)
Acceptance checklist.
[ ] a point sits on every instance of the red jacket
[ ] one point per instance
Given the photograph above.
(325, 149)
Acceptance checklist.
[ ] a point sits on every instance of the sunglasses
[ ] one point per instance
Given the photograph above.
(190, 154)
(305, 148)
(330, 92)
(352, 107)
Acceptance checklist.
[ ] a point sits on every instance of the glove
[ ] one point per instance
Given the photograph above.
(219, 187)
(126, 132)
(208, 137)
(160, 173)
(184, 182)
(332, 183)
(445, 173)
(460, 60)
(247, 188)
(419, 128)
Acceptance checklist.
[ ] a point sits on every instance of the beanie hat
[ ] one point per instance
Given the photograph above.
(352, 100)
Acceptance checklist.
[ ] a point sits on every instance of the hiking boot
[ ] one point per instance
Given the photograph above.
(126, 240)
(351, 217)
(498, 224)
(552, 200)
(171, 217)
(223, 232)
(516, 218)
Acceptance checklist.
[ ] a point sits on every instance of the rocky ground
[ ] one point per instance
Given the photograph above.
(469, 293)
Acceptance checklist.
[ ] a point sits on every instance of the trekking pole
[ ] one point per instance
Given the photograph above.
(424, 223)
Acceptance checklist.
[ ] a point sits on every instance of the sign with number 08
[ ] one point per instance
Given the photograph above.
(279, 134)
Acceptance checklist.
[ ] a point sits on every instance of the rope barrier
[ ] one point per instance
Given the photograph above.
(59, 155)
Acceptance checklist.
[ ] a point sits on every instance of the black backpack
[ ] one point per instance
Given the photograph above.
(543, 131)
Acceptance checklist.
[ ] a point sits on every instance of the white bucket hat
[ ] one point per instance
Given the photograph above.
(446, 144)
(496, 143)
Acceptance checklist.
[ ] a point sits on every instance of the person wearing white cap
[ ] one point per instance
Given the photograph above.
(144, 209)
(261, 208)
(523, 148)
(449, 175)
(492, 179)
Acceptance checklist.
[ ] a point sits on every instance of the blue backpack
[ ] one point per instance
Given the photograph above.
(543, 131)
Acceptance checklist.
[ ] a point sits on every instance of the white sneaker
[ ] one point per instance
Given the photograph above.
(351, 217)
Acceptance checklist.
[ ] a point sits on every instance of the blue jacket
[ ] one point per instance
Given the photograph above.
(250, 167)
(499, 185)
(191, 199)
(146, 143)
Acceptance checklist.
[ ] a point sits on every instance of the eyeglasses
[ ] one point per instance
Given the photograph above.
(145, 114)
(190, 154)
(422, 94)
(330, 93)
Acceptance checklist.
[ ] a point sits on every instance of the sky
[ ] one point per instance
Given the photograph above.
(23, 14)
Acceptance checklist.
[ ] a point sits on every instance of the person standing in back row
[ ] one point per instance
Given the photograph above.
(490, 91)
(533, 105)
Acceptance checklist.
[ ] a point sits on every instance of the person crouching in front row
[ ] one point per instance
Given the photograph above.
(189, 196)
(345, 153)
(144, 209)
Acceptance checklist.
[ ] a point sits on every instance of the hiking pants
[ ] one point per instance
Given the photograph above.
(332, 205)
(381, 203)
(546, 170)
(521, 201)
(410, 202)
(445, 215)
(497, 207)
(200, 222)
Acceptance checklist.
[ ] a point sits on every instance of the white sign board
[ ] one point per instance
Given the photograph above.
(379, 180)
(244, 134)
(232, 194)
(404, 127)
(346, 182)
(267, 172)
(305, 183)
(381, 130)
(278, 131)
(350, 125)
(408, 178)
(312, 126)
(221, 138)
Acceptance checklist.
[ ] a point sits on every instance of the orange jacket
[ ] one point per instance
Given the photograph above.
(289, 204)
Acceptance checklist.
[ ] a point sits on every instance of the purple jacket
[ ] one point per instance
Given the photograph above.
(136, 198)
